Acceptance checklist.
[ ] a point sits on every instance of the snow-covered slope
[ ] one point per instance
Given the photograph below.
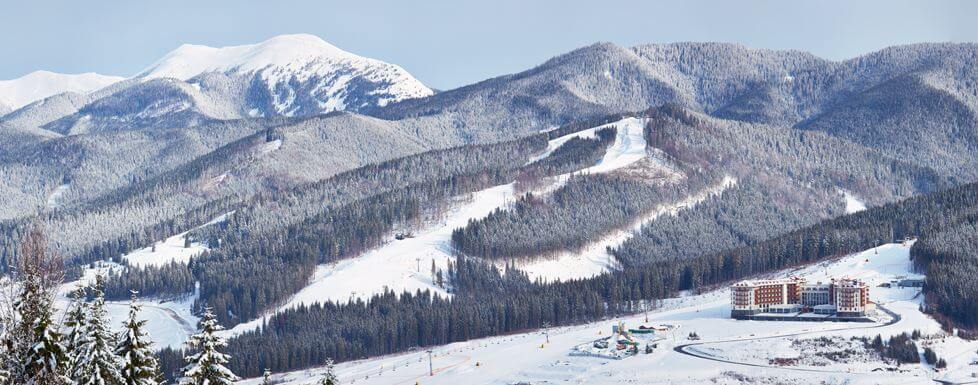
(38, 85)
(288, 75)
(404, 265)
(748, 344)
(299, 74)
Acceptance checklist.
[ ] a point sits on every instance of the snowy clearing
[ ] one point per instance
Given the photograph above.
(491, 360)
(405, 265)
(54, 199)
(171, 249)
(853, 204)
(169, 322)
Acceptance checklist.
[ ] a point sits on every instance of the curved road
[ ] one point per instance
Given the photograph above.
(681, 349)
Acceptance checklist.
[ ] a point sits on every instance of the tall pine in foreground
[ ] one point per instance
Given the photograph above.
(206, 366)
(76, 321)
(37, 355)
(96, 361)
(139, 366)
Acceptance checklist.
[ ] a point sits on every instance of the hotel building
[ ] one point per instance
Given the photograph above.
(842, 298)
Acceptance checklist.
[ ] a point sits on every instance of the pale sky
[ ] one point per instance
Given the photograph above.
(451, 43)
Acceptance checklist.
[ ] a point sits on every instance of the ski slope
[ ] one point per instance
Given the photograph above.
(594, 258)
(171, 249)
(405, 265)
(528, 359)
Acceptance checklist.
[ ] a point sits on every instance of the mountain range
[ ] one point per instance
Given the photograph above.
(312, 154)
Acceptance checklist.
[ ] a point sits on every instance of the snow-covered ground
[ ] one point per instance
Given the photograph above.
(169, 322)
(853, 203)
(405, 265)
(54, 199)
(594, 259)
(527, 359)
(171, 249)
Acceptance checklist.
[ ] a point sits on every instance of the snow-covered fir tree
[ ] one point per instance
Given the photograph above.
(266, 378)
(96, 361)
(207, 365)
(43, 360)
(75, 323)
(329, 378)
(139, 366)
(36, 354)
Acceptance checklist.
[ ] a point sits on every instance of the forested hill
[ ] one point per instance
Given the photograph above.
(489, 303)
(735, 150)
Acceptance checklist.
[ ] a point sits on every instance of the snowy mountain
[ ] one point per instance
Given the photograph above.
(299, 74)
(38, 85)
(288, 75)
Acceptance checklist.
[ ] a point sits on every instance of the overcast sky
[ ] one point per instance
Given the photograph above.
(451, 43)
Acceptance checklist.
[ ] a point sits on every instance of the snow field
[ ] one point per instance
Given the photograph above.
(405, 265)
(526, 358)
(594, 259)
(853, 203)
(170, 249)
(169, 322)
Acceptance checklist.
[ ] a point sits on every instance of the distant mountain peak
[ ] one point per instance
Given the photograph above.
(294, 75)
(38, 85)
(190, 60)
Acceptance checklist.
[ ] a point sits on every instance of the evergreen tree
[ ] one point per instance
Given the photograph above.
(329, 378)
(38, 356)
(139, 366)
(266, 378)
(96, 361)
(206, 367)
(75, 323)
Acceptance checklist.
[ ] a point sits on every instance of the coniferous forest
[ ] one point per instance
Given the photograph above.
(752, 159)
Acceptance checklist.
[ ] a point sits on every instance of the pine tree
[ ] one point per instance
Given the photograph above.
(139, 366)
(329, 378)
(97, 363)
(45, 361)
(76, 323)
(206, 367)
(266, 378)
(37, 355)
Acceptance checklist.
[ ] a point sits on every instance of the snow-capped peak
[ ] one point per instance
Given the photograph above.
(302, 75)
(190, 60)
(38, 85)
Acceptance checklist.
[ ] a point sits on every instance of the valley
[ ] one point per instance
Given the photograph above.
(743, 347)
(297, 204)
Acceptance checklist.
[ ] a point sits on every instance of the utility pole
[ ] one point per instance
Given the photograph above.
(431, 368)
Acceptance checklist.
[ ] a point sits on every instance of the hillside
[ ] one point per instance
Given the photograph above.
(311, 186)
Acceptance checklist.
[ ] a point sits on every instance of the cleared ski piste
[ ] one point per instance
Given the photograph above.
(405, 265)
(169, 321)
(526, 358)
(171, 249)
